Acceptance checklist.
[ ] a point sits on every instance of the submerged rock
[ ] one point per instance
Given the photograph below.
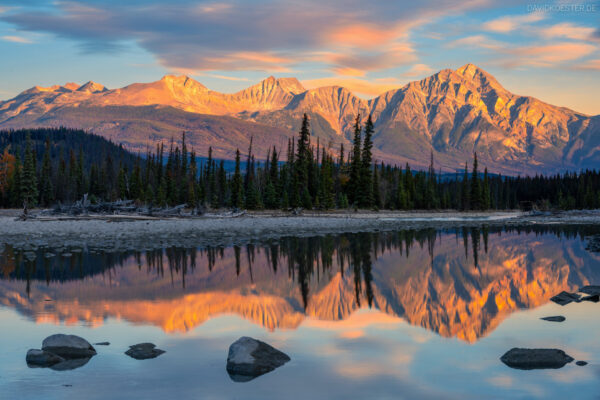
(249, 358)
(581, 363)
(564, 298)
(68, 346)
(40, 358)
(554, 318)
(535, 358)
(144, 351)
(102, 344)
(68, 365)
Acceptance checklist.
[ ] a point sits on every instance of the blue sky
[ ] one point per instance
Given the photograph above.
(546, 49)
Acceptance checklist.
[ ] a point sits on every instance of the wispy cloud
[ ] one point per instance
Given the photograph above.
(511, 23)
(225, 77)
(16, 39)
(569, 31)
(548, 55)
(362, 87)
(476, 41)
(418, 70)
(593, 65)
(232, 35)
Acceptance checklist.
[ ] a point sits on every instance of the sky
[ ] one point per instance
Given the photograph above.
(542, 48)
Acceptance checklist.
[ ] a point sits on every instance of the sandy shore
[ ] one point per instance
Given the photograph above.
(141, 235)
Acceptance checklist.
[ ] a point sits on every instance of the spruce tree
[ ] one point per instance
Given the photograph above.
(135, 187)
(237, 186)
(475, 186)
(465, 191)
(355, 163)
(486, 190)
(365, 192)
(161, 193)
(300, 192)
(253, 200)
(16, 199)
(222, 179)
(80, 177)
(401, 200)
(29, 191)
(123, 185)
(273, 176)
(376, 193)
(326, 185)
(46, 190)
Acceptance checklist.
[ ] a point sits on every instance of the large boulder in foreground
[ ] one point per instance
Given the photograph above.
(249, 358)
(144, 351)
(68, 346)
(42, 359)
(535, 358)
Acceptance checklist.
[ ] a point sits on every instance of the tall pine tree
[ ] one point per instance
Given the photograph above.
(365, 195)
(355, 163)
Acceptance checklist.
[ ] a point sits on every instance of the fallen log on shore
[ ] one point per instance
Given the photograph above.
(121, 210)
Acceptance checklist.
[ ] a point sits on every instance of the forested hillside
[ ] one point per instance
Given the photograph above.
(46, 166)
(67, 164)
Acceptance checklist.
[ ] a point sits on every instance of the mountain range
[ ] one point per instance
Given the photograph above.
(450, 114)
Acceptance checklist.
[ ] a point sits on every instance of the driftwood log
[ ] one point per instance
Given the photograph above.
(120, 210)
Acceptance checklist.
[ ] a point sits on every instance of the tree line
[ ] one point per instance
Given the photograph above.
(311, 176)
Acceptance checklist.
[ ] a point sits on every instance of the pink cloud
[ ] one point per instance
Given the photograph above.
(355, 85)
(568, 30)
(478, 41)
(511, 23)
(418, 70)
(16, 39)
(589, 65)
(551, 54)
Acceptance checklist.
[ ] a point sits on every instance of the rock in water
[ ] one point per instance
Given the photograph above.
(564, 298)
(590, 289)
(535, 358)
(554, 318)
(581, 363)
(144, 351)
(102, 344)
(249, 358)
(68, 346)
(593, 298)
(68, 365)
(41, 358)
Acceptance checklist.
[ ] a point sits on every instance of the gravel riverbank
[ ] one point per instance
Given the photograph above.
(148, 234)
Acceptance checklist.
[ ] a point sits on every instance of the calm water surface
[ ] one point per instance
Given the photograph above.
(408, 314)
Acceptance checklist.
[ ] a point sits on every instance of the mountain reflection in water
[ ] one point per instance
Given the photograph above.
(459, 283)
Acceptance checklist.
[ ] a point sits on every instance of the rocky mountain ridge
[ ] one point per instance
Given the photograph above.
(451, 113)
